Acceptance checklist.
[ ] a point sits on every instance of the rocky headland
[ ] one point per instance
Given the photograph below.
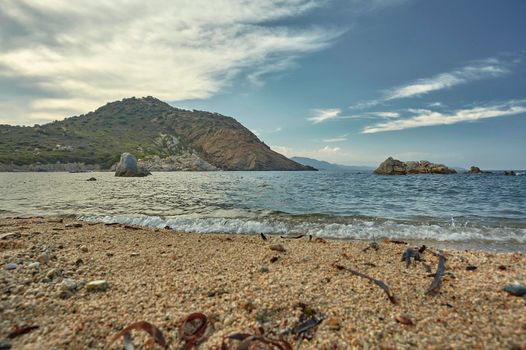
(396, 167)
(162, 137)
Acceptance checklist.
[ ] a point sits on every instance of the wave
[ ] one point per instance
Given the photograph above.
(359, 229)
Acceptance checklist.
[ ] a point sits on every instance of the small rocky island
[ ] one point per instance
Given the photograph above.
(392, 166)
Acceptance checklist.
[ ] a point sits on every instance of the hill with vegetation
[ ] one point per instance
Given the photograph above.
(164, 137)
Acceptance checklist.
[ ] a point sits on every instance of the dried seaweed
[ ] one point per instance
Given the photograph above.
(292, 237)
(307, 325)
(397, 242)
(18, 331)
(154, 332)
(435, 285)
(427, 267)
(409, 254)
(271, 343)
(372, 245)
(250, 341)
(128, 227)
(404, 320)
(379, 283)
(263, 236)
(192, 329)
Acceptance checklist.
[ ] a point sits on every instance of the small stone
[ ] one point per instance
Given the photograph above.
(43, 258)
(9, 235)
(53, 273)
(11, 266)
(83, 249)
(134, 254)
(79, 262)
(248, 306)
(64, 294)
(217, 292)
(34, 265)
(333, 324)
(277, 248)
(109, 254)
(69, 284)
(264, 269)
(97, 286)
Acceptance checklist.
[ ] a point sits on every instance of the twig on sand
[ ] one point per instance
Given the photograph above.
(154, 332)
(20, 331)
(435, 285)
(379, 283)
(263, 236)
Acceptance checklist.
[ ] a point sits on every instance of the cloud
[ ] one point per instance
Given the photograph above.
(478, 70)
(336, 139)
(424, 117)
(323, 153)
(260, 132)
(286, 151)
(386, 115)
(75, 57)
(436, 104)
(490, 68)
(322, 115)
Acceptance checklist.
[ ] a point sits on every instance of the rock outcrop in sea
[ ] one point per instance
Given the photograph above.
(128, 167)
(474, 170)
(392, 166)
(509, 173)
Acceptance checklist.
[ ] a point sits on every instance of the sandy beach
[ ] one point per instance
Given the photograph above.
(242, 285)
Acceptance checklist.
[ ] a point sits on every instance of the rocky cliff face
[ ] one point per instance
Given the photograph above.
(161, 136)
(396, 167)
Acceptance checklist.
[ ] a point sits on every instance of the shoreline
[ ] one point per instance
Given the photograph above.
(240, 283)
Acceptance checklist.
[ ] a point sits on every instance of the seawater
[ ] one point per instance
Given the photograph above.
(462, 211)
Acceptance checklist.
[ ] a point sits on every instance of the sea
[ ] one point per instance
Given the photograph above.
(459, 211)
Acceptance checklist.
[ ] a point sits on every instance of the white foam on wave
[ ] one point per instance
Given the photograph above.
(357, 229)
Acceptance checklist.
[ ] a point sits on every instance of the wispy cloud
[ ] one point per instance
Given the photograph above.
(490, 68)
(425, 117)
(336, 139)
(386, 115)
(322, 115)
(477, 70)
(174, 50)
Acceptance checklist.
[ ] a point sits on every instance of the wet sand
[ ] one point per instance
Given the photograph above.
(161, 276)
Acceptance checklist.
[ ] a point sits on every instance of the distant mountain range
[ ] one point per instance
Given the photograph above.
(164, 137)
(326, 166)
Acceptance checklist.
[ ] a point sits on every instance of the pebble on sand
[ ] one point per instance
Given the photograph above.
(278, 248)
(97, 286)
(11, 266)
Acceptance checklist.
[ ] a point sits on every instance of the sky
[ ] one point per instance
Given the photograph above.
(346, 81)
